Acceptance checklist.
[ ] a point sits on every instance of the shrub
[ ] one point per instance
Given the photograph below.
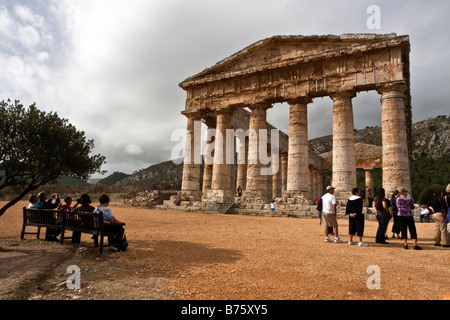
(426, 194)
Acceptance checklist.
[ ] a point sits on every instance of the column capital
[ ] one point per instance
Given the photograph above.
(192, 115)
(401, 86)
(344, 94)
(300, 100)
(260, 105)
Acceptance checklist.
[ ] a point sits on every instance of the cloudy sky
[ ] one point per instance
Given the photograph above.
(112, 67)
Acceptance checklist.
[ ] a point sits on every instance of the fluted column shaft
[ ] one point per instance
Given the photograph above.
(344, 151)
(190, 185)
(209, 155)
(221, 175)
(396, 165)
(256, 182)
(298, 181)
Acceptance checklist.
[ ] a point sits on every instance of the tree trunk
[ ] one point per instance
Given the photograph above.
(18, 198)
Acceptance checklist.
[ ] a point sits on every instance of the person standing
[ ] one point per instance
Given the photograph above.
(354, 209)
(396, 225)
(439, 214)
(406, 218)
(329, 214)
(381, 207)
(272, 207)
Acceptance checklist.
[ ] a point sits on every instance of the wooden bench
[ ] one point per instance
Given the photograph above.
(78, 222)
(40, 218)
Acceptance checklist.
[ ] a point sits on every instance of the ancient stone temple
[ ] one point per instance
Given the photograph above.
(233, 97)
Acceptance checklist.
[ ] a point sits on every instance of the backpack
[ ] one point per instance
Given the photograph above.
(319, 205)
(124, 244)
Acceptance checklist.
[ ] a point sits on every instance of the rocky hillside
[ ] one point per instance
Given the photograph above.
(431, 139)
(163, 176)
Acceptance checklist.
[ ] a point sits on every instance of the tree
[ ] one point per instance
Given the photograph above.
(38, 147)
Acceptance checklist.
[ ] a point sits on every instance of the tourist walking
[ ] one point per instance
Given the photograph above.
(355, 208)
(439, 214)
(406, 218)
(329, 214)
(382, 208)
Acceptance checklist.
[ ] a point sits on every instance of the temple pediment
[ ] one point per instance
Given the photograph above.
(281, 51)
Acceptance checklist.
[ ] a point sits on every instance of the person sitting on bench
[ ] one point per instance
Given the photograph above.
(111, 224)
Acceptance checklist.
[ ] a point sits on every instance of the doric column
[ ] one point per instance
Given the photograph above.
(190, 185)
(284, 165)
(369, 183)
(344, 152)
(318, 184)
(298, 157)
(221, 176)
(209, 154)
(396, 165)
(241, 178)
(256, 182)
(276, 178)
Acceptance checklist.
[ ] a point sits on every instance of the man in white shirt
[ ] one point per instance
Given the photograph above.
(329, 214)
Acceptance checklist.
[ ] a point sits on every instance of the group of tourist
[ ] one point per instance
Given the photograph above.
(399, 208)
(83, 204)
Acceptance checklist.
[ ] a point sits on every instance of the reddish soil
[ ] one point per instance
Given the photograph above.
(178, 255)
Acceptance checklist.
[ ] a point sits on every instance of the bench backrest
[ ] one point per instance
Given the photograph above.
(83, 221)
(42, 217)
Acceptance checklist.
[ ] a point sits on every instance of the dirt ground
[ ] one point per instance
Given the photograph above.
(197, 256)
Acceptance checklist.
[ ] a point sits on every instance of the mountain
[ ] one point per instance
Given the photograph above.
(430, 165)
(162, 176)
(112, 179)
(430, 138)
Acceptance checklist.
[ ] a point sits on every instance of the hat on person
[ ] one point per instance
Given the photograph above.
(330, 188)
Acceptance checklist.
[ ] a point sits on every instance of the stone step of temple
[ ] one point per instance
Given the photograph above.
(220, 207)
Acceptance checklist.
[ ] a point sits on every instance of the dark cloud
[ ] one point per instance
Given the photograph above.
(113, 67)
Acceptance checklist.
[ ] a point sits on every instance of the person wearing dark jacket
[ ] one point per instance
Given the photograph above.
(382, 208)
(45, 203)
(354, 209)
(439, 209)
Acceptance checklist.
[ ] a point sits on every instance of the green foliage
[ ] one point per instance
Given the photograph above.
(38, 147)
(426, 194)
(426, 172)
(113, 178)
